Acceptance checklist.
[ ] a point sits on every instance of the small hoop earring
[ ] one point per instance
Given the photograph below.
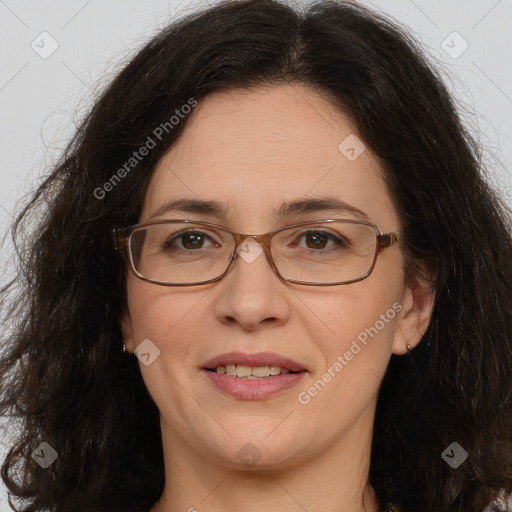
(409, 348)
(124, 346)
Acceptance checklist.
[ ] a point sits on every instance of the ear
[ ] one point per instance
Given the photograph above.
(125, 322)
(417, 304)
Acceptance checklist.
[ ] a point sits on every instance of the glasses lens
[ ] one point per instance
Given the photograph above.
(180, 253)
(325, 252)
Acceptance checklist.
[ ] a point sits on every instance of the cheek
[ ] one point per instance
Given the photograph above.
(165, 315)
(353, 330)
(356, 311)
(172, 320)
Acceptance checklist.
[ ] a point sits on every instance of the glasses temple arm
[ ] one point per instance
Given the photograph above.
(120, 240)
(388, 239)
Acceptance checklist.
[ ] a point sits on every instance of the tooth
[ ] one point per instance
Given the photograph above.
(275, 370)
(247, 372)
(243, 371)
(260, 371)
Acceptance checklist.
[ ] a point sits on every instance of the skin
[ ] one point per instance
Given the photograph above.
(252, 150)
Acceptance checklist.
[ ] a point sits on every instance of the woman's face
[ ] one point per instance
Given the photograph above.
(253, 152)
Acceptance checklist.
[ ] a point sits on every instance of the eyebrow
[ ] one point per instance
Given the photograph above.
(287, 209)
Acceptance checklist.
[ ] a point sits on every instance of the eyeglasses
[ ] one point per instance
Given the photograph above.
(317, 253)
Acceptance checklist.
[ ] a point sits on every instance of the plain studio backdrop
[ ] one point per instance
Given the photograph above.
(57, 56)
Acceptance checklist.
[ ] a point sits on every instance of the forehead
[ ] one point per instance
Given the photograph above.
(255, 149)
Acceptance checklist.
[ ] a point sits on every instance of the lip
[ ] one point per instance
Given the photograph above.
(247, 389)
(254, 389)
(257, 359)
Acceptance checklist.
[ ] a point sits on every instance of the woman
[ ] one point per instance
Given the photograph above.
(268, 274)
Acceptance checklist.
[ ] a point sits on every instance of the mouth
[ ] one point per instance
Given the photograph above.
(253, 376)
(241, 371)
(260, 365)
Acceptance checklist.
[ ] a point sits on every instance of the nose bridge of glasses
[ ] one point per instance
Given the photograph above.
(262, 240)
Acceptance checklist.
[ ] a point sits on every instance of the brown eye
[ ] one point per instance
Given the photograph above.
(188, 240)
(319, 240)
(316, 240)
(192, 240)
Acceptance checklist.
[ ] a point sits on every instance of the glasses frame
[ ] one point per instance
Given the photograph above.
(122, 237)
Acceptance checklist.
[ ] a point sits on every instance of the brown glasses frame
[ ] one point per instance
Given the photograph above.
(121, 237)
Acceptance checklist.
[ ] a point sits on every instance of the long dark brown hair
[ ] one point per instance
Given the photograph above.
(64, 379)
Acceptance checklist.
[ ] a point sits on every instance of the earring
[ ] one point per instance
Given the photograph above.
(124, 346)
(409, 348)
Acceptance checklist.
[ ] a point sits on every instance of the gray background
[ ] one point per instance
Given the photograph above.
(42, 99)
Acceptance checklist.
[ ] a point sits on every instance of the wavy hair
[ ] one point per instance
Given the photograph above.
(63, 377)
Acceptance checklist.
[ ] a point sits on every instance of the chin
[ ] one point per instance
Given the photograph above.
(252, 451)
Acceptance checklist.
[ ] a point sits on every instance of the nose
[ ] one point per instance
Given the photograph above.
(251, 294)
